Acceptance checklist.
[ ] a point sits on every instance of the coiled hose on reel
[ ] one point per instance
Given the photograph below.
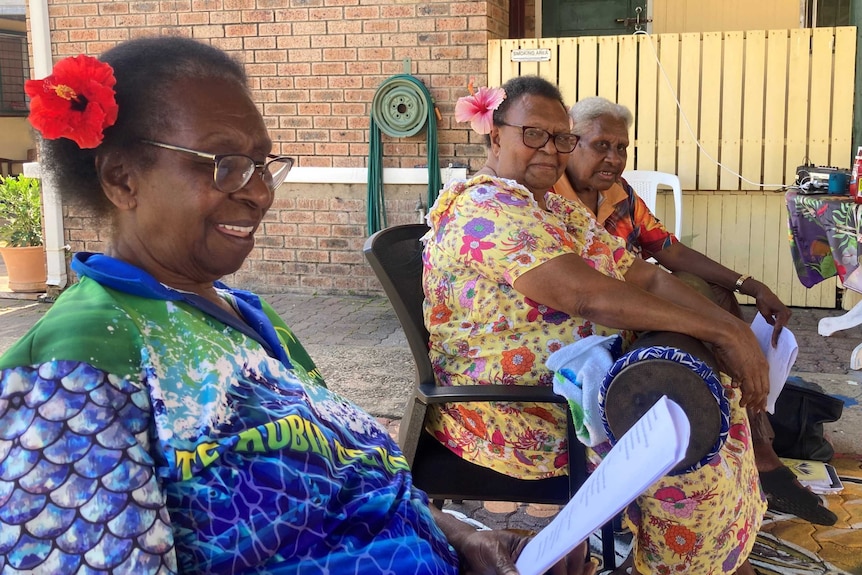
(401, 107)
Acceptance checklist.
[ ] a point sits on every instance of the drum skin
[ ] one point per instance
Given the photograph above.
(684, 369)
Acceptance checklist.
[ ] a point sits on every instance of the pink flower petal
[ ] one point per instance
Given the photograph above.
(491, 98)
(478, 108)
(466, 108)
(483, 123)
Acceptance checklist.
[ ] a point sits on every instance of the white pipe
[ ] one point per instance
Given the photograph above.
(40, 39)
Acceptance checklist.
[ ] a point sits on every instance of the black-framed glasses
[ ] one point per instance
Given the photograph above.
(536, 138)
(233, 171)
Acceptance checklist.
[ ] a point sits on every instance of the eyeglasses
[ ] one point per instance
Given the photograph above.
(536, 138)
(233, 171)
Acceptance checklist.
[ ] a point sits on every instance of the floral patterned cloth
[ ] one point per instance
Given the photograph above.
(824, 238)
(485, 233)
(703, 522)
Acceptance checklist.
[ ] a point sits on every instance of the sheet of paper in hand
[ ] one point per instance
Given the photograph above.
(781, 357)
(653, 446)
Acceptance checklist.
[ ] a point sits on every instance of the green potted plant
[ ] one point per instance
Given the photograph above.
(21, 233)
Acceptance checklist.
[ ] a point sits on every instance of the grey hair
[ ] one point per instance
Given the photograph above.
(588, 110)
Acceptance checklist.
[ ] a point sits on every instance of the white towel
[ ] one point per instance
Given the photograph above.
(579, 369)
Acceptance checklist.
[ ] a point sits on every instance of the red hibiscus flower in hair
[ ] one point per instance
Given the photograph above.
(76, 101)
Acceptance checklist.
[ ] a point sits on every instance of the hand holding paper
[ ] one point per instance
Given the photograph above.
(781, 358)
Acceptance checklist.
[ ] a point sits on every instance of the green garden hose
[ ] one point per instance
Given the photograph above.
(401, 107)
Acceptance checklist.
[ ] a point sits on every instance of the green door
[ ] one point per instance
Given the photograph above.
(591, 17)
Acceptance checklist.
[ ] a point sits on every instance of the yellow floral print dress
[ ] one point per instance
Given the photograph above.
(485, 233)
(703, 522)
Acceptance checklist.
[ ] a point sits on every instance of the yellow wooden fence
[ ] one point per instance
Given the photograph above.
(747, 232)
(708, 106)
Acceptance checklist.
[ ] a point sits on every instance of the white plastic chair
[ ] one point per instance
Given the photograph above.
(646, 183)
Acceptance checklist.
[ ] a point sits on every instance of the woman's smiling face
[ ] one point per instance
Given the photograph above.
(536, 169)
(182, 229)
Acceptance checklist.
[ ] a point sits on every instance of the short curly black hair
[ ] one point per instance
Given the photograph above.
(520, 86)
(142, 67)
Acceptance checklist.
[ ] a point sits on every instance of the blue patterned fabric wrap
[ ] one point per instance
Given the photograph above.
(213, 457)
(699, 367)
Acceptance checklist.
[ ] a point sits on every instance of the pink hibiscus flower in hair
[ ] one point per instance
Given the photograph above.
(478, 108)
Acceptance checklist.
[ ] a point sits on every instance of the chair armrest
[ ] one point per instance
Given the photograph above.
(432, 394)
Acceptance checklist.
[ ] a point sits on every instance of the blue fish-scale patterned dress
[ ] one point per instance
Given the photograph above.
(140, 435)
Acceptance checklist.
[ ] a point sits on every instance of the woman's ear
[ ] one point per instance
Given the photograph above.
(116, 180)
(494, 137)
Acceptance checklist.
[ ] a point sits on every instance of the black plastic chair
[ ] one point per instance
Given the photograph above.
(395, 255)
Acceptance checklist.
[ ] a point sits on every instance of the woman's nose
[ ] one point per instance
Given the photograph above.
(550, 146)
(615, 156)
(256, 192)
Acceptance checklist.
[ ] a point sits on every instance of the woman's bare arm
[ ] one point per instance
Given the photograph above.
(651, 299)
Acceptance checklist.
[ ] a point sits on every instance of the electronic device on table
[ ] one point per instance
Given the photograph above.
(811, 179)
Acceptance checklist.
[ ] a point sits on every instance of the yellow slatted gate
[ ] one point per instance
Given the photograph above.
(759, 102)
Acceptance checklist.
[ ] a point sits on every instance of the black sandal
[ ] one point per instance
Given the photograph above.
(784, 494)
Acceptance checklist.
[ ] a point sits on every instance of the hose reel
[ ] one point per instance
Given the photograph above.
(401, 107)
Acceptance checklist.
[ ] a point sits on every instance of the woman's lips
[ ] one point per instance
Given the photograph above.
(236, 231)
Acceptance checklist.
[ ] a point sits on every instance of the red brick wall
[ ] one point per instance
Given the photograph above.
(313, 241)
(314, 66)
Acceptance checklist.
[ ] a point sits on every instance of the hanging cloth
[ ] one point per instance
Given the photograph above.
(401, 107)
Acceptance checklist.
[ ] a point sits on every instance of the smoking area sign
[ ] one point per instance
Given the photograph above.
(531, 55)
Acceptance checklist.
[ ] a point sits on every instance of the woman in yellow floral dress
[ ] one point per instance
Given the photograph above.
(512, 274)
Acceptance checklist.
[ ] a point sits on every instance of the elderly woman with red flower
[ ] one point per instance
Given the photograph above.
(158, 421)
(512, 273)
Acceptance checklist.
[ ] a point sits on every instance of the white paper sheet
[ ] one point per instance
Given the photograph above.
(780, 358)
(647, 451)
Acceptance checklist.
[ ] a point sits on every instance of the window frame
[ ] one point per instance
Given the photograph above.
(6, 108)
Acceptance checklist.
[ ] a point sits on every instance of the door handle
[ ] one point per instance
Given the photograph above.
(637, 22)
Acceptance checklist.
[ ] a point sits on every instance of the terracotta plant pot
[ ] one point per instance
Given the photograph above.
(26, 267)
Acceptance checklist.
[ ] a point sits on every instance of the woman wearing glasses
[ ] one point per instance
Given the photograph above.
(512, 273)
(158, 421)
